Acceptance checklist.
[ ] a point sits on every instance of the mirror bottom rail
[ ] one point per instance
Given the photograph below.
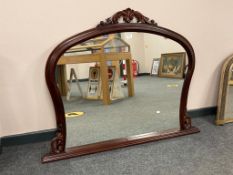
(117, 143)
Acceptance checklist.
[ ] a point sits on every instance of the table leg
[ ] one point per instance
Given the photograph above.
(104, 82)
(130, 80)
(62, 80)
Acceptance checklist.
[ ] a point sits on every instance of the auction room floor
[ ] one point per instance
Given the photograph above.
(154, 107)
(209, 152)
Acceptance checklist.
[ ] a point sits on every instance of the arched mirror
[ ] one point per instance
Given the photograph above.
(225, 98)
(122, 83)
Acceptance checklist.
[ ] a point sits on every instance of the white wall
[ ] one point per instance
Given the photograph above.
(136, 42)
(30, 29)
(82, 70)
(145, 47)
(157, 45)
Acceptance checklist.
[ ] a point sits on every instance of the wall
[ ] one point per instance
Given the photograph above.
(145, 47)
(30, 29)
(82, 70)
(157, 45)
(136, 42)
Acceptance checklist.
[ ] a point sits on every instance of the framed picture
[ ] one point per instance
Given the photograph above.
(155, 66)
(172, 65)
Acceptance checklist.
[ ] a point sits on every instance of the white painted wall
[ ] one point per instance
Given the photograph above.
(157, 45)
(30, 29)
(145, 47)
(136, 42)
(82, 70)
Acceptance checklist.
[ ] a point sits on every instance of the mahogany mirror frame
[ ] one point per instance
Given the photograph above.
(123, 21)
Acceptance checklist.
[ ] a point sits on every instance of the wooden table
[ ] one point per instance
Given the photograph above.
(102, 59)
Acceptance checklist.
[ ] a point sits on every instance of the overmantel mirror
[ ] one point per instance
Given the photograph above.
(122, 83)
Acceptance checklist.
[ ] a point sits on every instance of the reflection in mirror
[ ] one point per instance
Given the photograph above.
(121, 85)
(229, 97)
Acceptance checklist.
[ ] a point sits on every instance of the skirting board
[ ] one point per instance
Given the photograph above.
(26, 138)
(143, 74)
(202, 112)
(47, 135)
(81, 80)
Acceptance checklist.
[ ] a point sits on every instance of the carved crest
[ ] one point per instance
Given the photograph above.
(128, 16)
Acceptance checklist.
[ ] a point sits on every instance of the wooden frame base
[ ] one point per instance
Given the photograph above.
(117, 143)
(224, 121)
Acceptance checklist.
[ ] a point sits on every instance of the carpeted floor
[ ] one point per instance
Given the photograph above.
(127, 117)
(209, 152)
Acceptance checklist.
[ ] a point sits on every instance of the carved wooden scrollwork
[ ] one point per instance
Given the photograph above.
(187, 122)
(128, 15)
(58, 142)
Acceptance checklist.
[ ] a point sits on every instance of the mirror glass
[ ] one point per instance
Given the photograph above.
(228, 113)
(121, 85)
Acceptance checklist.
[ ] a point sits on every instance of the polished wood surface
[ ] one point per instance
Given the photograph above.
(104, 82)
(62, 80)
(113, 25)
(129, 76)
(117, 143)
(95, 57)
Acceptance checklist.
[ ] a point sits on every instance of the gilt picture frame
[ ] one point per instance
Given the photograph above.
(172, 65)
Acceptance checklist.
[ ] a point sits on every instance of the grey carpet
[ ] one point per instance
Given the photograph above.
(127, 117)
(207, 153)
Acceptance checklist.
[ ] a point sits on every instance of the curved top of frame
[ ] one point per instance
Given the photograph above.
(133, 21)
